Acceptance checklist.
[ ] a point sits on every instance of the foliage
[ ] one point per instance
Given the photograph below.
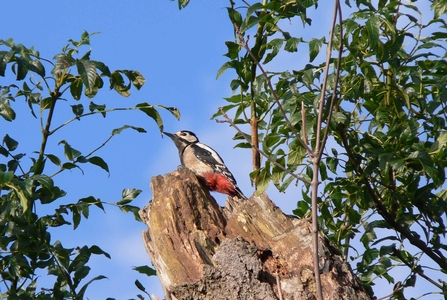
(25, 239)
(384, 166)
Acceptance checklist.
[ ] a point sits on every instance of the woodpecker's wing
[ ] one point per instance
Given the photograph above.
(212, 159)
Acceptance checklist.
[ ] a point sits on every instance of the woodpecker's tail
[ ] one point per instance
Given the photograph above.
(239, 193)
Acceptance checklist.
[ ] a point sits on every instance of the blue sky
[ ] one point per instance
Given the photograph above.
(179, 53)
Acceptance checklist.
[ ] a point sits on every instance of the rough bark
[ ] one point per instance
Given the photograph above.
(246, 250)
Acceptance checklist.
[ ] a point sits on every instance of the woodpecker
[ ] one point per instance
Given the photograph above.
(205, 163)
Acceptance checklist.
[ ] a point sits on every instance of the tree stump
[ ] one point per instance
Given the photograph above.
(246, 250)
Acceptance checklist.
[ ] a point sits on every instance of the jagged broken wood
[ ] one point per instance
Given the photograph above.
(203, 251)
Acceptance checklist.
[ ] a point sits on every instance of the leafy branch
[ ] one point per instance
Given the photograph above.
(314, 155)
(26, 238)
(230, 121)
(386, 116)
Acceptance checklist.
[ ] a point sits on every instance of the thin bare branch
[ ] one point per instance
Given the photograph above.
(278, 284)
(303, 117)
(90, 114)
(320, 144)
(337, 70)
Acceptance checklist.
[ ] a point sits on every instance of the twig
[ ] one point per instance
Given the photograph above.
(303, 117)
(93, 113)
(396, 289)
(337, 71)
(278, 283)
(320, 143)
(416, 270)
(319, 146)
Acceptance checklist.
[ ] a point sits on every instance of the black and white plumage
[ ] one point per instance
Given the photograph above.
(205, 163)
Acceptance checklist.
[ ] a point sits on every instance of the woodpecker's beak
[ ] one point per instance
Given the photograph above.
(178, 143)
(169, 134)
(174, 138)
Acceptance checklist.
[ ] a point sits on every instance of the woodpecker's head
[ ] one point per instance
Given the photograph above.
(182, 139)
(184, 136)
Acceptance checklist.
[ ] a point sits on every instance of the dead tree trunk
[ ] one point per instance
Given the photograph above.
(246, 250)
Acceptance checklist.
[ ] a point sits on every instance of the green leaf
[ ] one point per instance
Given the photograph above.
(102, 67)
(332, 163)
(22, 68)
(233, 49)
(439, 144)
(3, 152)
(117, 83)
(128, 195)
(146, 270)
(254, 9)
(46, 103)
(44, 180)
(6, 111)
(151, 112)
(63, 62)
(76, 88)
(6, 177)
(182, 3)
(119, 130)
(92, 200)
(223, 68)
(87, 72)
(173, 110)
(69, 166)
(235, 16)
(10, 143)
(296, 156)
(70, 153)
(25, 64)
(98, 251)
(135, 77)
(133, 209)
(96, 160)
(137, 283)
(275, 45)
(5, 58)
(315, 47)
(85, 286)
(77, 109)
(439, 7)
(248, 23)
(243, 145)
(97, 107)
(292, 44)
(263, 180)
(37, 67)
(303, 208)
(373, 27)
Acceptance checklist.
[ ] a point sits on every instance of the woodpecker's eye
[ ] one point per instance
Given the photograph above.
(183, 134)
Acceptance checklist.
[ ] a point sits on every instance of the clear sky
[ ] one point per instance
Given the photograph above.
(179, 53)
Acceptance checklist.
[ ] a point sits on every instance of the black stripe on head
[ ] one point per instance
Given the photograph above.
(187, 136)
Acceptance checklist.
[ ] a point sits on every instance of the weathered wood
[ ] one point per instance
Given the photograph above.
(241, 251)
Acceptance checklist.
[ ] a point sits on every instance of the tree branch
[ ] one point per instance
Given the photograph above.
(320, 144)
(227, 119)
(243, 43)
